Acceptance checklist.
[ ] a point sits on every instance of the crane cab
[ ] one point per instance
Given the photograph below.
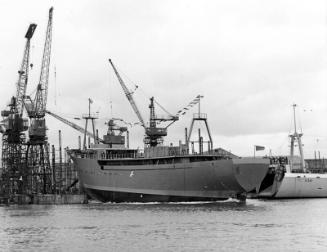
(37, 130)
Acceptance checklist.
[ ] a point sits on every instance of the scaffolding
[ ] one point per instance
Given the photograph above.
(13, 176)
(64, 173)
(35, 169)
(39, 169)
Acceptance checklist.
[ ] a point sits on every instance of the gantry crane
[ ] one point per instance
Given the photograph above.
(153, 134)
(14, 125)
(37, 154)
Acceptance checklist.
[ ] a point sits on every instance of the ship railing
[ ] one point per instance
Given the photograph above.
(200, 116)
(279, 160)
(109, 155)
(90, 116)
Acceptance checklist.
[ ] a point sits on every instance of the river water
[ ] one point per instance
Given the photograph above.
(257, 225)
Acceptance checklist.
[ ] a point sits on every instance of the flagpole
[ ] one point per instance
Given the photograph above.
(89, 107)
(254, 151)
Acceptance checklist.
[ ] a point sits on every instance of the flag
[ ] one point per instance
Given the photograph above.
(90, 100)
(259, 148)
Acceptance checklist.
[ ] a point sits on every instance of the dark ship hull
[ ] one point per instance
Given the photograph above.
(168, 179)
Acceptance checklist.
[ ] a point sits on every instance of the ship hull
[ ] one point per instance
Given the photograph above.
(181, 180)
(298, 185)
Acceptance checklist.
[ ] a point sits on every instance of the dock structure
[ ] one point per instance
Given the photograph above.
(22, 182)
(31, 172)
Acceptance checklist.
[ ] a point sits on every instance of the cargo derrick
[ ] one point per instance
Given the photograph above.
(153, 134)
(13, 126)
(37, 154)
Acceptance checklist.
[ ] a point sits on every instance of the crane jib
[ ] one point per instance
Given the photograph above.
(128, 95)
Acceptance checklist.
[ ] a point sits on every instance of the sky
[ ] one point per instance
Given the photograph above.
(250, 59)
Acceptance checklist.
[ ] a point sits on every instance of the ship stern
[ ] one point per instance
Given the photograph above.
(250, 172)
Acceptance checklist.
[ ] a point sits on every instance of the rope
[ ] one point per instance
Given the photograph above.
(129, 80)
(141, 89)
(162, 108)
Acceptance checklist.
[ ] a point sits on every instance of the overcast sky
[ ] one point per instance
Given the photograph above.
(251, 60)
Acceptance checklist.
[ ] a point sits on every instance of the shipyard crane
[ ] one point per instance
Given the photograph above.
(14, 125)
(36, 109)
(37, 154)
(71, 124)
(23, 72)
(154, 134)
(128, 94)
(112, 126)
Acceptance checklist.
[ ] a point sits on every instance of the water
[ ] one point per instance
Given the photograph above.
(257, 225)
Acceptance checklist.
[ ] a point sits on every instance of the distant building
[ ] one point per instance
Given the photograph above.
(316, 165)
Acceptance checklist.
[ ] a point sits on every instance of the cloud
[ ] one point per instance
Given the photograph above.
(250, 59)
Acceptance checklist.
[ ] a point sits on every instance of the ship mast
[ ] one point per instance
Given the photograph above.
(200, 117)
(296, 137)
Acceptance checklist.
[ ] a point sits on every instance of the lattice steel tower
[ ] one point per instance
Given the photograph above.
(37, 154)
(14, 173)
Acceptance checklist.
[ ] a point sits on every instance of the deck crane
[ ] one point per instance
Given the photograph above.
(112, 127)
(154, 134)
(114, 137)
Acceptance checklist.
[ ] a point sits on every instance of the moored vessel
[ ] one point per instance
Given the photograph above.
(123, 175)
(288, 177)
(110, 171)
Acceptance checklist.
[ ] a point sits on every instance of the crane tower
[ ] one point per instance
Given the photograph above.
(37, 154)
(13, 127)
